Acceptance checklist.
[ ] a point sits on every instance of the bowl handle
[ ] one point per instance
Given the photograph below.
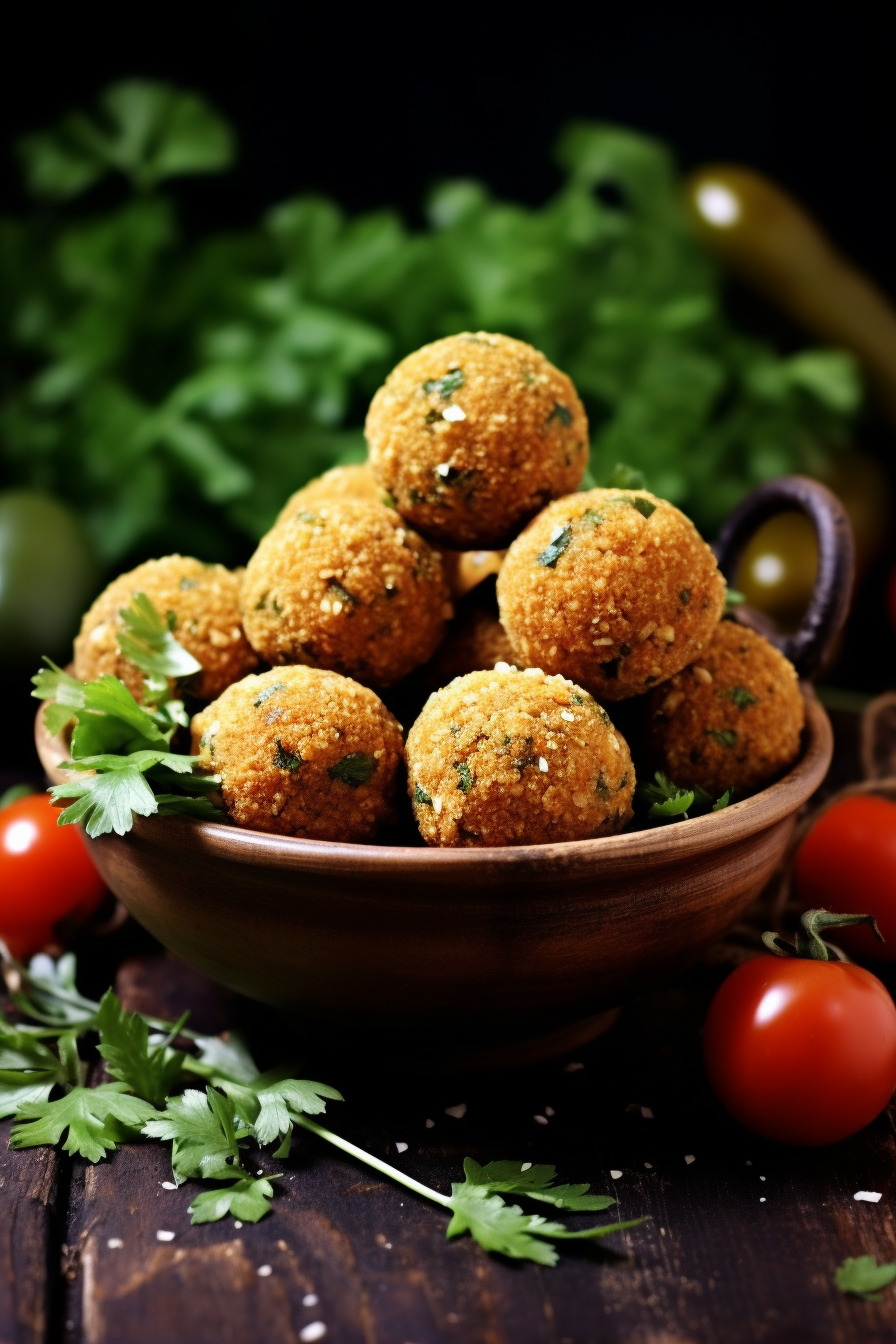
(809, 645)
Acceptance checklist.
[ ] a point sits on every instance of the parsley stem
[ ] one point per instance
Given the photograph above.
(369, 1160)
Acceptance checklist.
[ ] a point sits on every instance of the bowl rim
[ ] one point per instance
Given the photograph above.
(696, 835)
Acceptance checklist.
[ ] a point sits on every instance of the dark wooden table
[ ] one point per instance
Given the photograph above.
(741, 1242)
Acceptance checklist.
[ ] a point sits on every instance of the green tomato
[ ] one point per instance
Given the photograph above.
(48, 576)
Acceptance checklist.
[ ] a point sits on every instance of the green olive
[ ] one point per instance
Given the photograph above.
(48, 576)
(777, 568)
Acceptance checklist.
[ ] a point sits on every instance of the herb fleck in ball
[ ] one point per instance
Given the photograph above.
(201, 604)
(514, 758)
(613, 588)
(346, 586)
(303, 752)
(732, 719)
(472, 434)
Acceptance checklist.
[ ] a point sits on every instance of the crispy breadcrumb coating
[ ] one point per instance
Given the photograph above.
(201, 603)
(304, 752)
(354, 483)
(346, 586)
(613, 588)
(732, 719)
(505, 757)
(474, 433)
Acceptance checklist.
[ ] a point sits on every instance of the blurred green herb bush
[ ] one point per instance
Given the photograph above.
(174, 389)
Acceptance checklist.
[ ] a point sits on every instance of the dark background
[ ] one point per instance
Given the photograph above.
(372, 104)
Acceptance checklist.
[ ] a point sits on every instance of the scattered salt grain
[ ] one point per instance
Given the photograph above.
(614, 1174)
(762, 1199)
(549, 1110)
(237, 1223)
(565, 714)
(542, 765)
(457, 1111)
(573, 1066)
(168, 1185)
(310, 1300)
(762, 1178)
(164, 1236)
(115, 1243)
(264, 1271)
(526, 1166)
(690, 1158)
(540, 1119)
(430, 1124)
(649, 1166)
(451, 413)
(401, 1147)
(749, 1163)
(316, 1330)
(871, 1196)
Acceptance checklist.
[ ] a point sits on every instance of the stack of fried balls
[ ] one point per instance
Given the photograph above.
(372, 599)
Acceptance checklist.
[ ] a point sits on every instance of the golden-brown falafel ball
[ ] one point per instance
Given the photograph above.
(347, 586)
(201, 603)
(473, 434)
(305, 752)
(354, 482)
(516, 758)
(613, 588)
(732, 719)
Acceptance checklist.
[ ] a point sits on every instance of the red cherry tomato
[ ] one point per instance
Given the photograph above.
(46, 874)
(802, 1051)
(847, 863)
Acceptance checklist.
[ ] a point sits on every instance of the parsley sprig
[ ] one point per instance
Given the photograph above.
(152, 1094)
(668, 802)
(122, 749)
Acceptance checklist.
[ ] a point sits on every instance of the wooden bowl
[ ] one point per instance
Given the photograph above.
(452, 956)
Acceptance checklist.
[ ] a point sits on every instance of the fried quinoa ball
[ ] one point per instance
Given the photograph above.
(472, 434)
(346, 586)
(516, 758)
(613, 588)
(732, 719)
(201, 603)
(301, 751)
(354, 483)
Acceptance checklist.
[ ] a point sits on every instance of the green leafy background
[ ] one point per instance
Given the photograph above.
(176, 387)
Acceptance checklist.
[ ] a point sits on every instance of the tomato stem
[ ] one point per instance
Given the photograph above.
(808, 943)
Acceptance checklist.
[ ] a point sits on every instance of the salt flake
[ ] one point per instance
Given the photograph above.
(115, 1243)
(264, 1271)
(430, 1124)
(310, 1300)
(457, 1111)
(401, 1147)
(614, 1174)
(690, 1158)
(316, 1330)
(525, 1166)
(540, 1119)
(871, 1196)
(168, 1185)
(164, 1236)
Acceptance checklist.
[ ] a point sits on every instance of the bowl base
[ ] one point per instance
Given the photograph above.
(533, 1050)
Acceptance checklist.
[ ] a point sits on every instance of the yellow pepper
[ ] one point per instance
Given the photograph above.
(767, 237)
